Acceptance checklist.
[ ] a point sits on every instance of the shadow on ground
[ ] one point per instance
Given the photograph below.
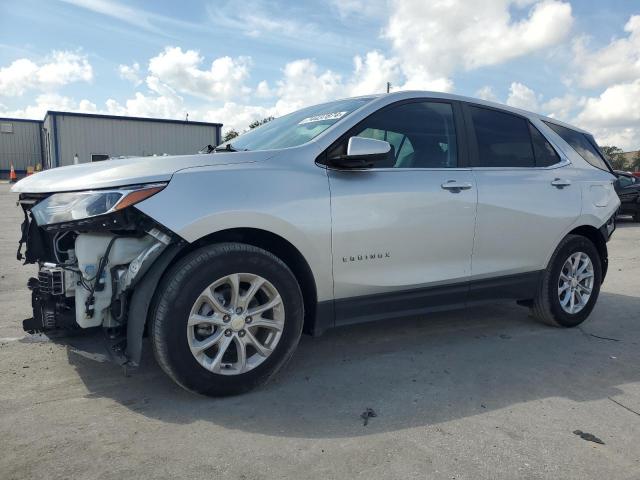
(414, 372)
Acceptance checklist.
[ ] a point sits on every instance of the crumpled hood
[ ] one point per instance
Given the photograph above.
(126, 171)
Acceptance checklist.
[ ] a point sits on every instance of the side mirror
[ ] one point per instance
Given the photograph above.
(362, 153)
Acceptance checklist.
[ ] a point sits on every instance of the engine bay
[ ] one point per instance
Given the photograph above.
(87, 269)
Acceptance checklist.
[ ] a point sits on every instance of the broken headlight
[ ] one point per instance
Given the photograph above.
(67, 207)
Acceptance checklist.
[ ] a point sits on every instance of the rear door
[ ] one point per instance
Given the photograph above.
(526, 200)
(402, 233)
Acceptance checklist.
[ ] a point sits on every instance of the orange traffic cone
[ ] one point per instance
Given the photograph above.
(12, 175)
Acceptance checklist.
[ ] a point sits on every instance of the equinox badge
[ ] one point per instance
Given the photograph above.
(361, 258)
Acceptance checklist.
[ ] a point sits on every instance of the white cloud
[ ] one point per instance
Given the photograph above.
(617, 62)
(521, 96)
(57, 70)
(164, 102)
(420, 78)
(563, 108)
(617, 106)
(434, 39)
(237, 116)
(131, 73)
(180, 70)
(303, 84)
(372, 73)
(263, 90)
(486, 93)
(51, 101)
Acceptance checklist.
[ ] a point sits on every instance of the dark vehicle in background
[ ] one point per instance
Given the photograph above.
(628, 189)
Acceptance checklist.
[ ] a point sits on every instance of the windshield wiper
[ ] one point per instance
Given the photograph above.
(228, 148)
(207, 149)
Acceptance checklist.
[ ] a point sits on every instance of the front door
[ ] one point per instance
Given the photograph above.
(402, 235)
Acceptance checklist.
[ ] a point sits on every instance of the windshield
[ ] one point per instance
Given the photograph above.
(295, 128)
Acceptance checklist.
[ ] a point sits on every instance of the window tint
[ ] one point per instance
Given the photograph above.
(503, 139)
(421, 134)
(401, 145)
(582, 144)
(544, 152)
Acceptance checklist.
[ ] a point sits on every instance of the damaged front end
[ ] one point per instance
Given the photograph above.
(92, 248)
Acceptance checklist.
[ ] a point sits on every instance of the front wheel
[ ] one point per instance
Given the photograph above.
(570, 285)
(227, 317)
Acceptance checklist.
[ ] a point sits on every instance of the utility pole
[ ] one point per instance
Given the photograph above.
(388, 86)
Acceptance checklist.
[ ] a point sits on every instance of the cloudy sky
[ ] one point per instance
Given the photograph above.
(237, 61)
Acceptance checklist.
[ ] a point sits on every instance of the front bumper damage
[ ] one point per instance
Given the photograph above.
(88, 273)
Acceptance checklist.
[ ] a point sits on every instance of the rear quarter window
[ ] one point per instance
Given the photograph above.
(583, 144)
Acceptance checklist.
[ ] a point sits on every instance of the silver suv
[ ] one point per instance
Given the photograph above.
(360, 209)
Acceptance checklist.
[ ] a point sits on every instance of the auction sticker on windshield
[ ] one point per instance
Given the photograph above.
(320, 118)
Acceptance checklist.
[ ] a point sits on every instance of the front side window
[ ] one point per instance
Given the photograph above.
(421, 135)
(296, 128)
(503, 140)
(583, 144)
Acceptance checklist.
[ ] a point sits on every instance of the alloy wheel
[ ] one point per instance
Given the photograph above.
(576, 282)
(235, 323)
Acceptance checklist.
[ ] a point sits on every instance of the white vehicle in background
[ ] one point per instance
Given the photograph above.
(355, 210)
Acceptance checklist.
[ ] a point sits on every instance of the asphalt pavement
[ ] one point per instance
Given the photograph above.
(486, 393)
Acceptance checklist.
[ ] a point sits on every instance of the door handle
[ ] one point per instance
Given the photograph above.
(454, 187)
(560, 182)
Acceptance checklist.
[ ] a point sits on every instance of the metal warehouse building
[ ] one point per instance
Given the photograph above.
(63, 135)
(20, 143)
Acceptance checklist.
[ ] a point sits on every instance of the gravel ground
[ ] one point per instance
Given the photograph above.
(484, 393)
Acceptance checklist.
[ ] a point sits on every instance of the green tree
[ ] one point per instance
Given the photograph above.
(635, 163)
(614, 154)
(257, 123)
(229, 135)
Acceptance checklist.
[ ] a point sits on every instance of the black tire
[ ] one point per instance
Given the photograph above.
(546, 306)
(179, 290)
(636, 217)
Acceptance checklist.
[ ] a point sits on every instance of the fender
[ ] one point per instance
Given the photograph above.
(292, 203)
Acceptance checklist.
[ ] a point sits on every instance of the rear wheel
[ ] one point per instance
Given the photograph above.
(228, 316)
(636, 217)
(570, 285)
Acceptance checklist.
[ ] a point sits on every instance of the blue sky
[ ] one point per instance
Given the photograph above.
(234, 62)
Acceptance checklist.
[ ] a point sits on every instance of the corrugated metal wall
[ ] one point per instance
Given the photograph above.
(86, 135)
(22, 146)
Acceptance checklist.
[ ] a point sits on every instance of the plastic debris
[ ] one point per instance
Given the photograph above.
(589, 437)
(367, 414)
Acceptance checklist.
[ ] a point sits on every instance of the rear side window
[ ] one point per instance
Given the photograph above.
(503, 139)
(582, 144)
(544, 152)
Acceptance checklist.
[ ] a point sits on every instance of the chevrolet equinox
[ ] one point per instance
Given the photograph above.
(361, 209)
